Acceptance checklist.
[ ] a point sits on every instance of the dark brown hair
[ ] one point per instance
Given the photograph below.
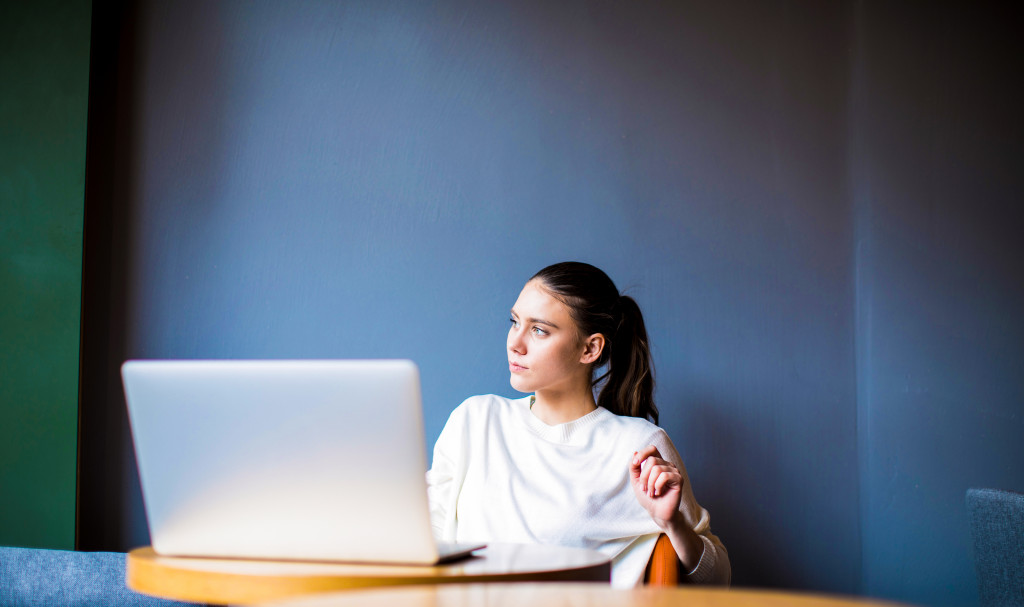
(596, 306)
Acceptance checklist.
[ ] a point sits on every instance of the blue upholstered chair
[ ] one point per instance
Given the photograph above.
(997, 528)
(37, 577)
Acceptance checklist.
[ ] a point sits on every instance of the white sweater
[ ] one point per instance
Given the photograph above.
(500, 474)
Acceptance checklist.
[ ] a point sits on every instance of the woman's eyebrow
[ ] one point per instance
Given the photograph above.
(536, 321)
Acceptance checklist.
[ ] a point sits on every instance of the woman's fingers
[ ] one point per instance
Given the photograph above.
(651, 473)
(656, 483)
(639, 457)
(649, 470)
(667, 477)
(646, 452)
(654, 478)
(646, 474)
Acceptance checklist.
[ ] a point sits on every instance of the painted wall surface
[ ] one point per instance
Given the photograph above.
(379, 179)
(938, 179)
(44, 76)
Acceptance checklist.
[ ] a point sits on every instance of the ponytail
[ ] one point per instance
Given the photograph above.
(629, 389)
(627, 385)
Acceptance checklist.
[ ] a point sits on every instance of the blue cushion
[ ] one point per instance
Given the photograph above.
(33, 576)
(997, 528)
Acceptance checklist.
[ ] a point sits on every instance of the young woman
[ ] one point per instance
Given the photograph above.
(559, 466)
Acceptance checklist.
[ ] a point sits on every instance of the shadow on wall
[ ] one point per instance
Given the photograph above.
(125, 179)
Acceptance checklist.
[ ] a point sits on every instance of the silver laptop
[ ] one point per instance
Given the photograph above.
(300, 460)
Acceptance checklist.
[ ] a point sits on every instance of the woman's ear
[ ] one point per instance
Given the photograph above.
(592, 348)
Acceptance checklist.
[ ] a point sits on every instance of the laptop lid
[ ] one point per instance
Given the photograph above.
(299, 459)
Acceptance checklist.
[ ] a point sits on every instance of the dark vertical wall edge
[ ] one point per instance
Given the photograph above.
(102, 419)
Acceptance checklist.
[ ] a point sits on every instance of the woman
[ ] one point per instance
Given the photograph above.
(559, 466)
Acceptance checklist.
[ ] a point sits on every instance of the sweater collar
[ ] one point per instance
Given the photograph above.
(558, 433)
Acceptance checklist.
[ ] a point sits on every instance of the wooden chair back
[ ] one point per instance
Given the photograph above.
(664, 567)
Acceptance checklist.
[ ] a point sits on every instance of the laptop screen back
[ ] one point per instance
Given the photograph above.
(306, 460)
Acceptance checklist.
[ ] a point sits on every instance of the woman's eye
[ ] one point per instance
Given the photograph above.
(539, 331)
(514, 322)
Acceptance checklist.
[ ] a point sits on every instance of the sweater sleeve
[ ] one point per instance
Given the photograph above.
(444, 479)
(714, 566)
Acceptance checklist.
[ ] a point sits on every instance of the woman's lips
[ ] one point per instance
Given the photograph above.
(515, 368)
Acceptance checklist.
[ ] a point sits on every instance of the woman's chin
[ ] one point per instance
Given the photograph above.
(518, 384)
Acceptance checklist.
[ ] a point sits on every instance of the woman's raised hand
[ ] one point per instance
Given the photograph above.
(657, 484)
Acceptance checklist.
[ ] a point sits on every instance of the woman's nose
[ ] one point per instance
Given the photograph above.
(515, 341)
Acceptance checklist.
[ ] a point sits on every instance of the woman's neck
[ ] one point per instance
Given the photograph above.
(555, 408)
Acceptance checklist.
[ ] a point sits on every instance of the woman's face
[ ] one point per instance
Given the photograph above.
(545, 350)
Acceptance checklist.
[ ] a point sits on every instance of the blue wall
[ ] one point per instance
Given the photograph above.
(937, 181)
(379, 179)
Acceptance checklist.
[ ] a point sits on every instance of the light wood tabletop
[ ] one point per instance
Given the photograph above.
(569, 595)
(234, 581)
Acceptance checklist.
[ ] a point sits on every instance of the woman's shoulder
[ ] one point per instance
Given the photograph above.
(657, 436)
(638, 425)
(490, 404)
(478, 412)
(636, 430)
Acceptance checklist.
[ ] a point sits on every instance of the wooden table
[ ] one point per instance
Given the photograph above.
(568, 595)
(225, 581)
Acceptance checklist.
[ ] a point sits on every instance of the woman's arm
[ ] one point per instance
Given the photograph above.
(660, 487)
(444, 479)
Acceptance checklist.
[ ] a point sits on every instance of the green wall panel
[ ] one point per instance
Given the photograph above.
(44, 77)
